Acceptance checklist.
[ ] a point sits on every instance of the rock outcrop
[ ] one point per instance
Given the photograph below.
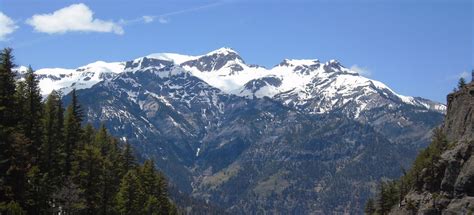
(453, 193)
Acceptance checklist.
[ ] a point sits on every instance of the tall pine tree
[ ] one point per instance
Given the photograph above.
(130, 196)
(52, 146)
(7, 89)
(72, 131)
(32, 113)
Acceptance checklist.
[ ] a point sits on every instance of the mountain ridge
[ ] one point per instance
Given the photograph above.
(229, 78)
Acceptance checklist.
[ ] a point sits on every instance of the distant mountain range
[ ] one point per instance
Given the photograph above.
(302, 137)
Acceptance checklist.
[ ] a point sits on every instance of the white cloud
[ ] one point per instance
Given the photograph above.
(76, 17)
(163, 20)
(7, 26)
(361, 70)
(148, 19)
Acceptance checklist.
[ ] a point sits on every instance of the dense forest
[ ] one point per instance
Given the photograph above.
(52, 162)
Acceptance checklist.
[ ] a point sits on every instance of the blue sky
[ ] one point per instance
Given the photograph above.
(418, 48)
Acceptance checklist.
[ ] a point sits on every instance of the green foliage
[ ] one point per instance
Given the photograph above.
(72, 132)
(12, 208)
(421, 175)
(388, 197)
(131, 195)
(8, 109)
(370, 207)
(50, 163)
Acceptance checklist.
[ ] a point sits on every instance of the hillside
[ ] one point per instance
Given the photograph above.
(441, 181)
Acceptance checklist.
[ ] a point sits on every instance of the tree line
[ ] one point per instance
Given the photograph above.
(51, 163)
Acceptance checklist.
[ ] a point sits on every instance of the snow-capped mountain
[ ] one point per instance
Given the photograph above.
(241, 135)
(306, 84)
(65, 80)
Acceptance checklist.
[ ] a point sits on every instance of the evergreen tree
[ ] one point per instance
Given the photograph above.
(155, 187)
(12, 208)
(88, 135)
(52, 148)
(110, 185)
(32, 113)
(130, 196)
(369, 207)
(72, 131)
(8, 119)
(88, 175)
(67, 199)
(113, 174)
(20, 163)
(76, 107)
(7, 89)
(38, 191)
(461, 83)
(29, 106)
(129, 161)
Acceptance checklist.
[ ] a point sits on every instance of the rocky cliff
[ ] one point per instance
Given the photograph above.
(452, 190)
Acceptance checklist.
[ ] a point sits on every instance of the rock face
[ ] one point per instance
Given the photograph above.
(459, 123)
(453, 193)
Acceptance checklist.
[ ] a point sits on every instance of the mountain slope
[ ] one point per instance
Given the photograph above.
(445, 184)
(251, 154)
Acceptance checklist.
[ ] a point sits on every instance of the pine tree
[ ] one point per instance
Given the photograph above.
(107, 149)
(102, 140)
(369, 207)
(8, 119)
(7, 89)
(72, 131)
(88, 173)
(38, 191)
(52, 149)
(88, 134)
(130, 196)
(20, 163)
(461, 83)
(112, 175)
(129, 161)
(32, 113)
(76, 107)
(67, 199)
(12, 208)
(155, 186)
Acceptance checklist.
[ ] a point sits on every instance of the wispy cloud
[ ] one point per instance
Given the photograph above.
(361, 70)
(166, 17)
(163, 20)
(7, 26)
(76, 17)
(194, 9)
(148, 19)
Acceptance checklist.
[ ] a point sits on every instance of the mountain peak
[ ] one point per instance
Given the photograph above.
(217, 59)
(299, 62)
(172, 57)
(334, 63)
(223, 51)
